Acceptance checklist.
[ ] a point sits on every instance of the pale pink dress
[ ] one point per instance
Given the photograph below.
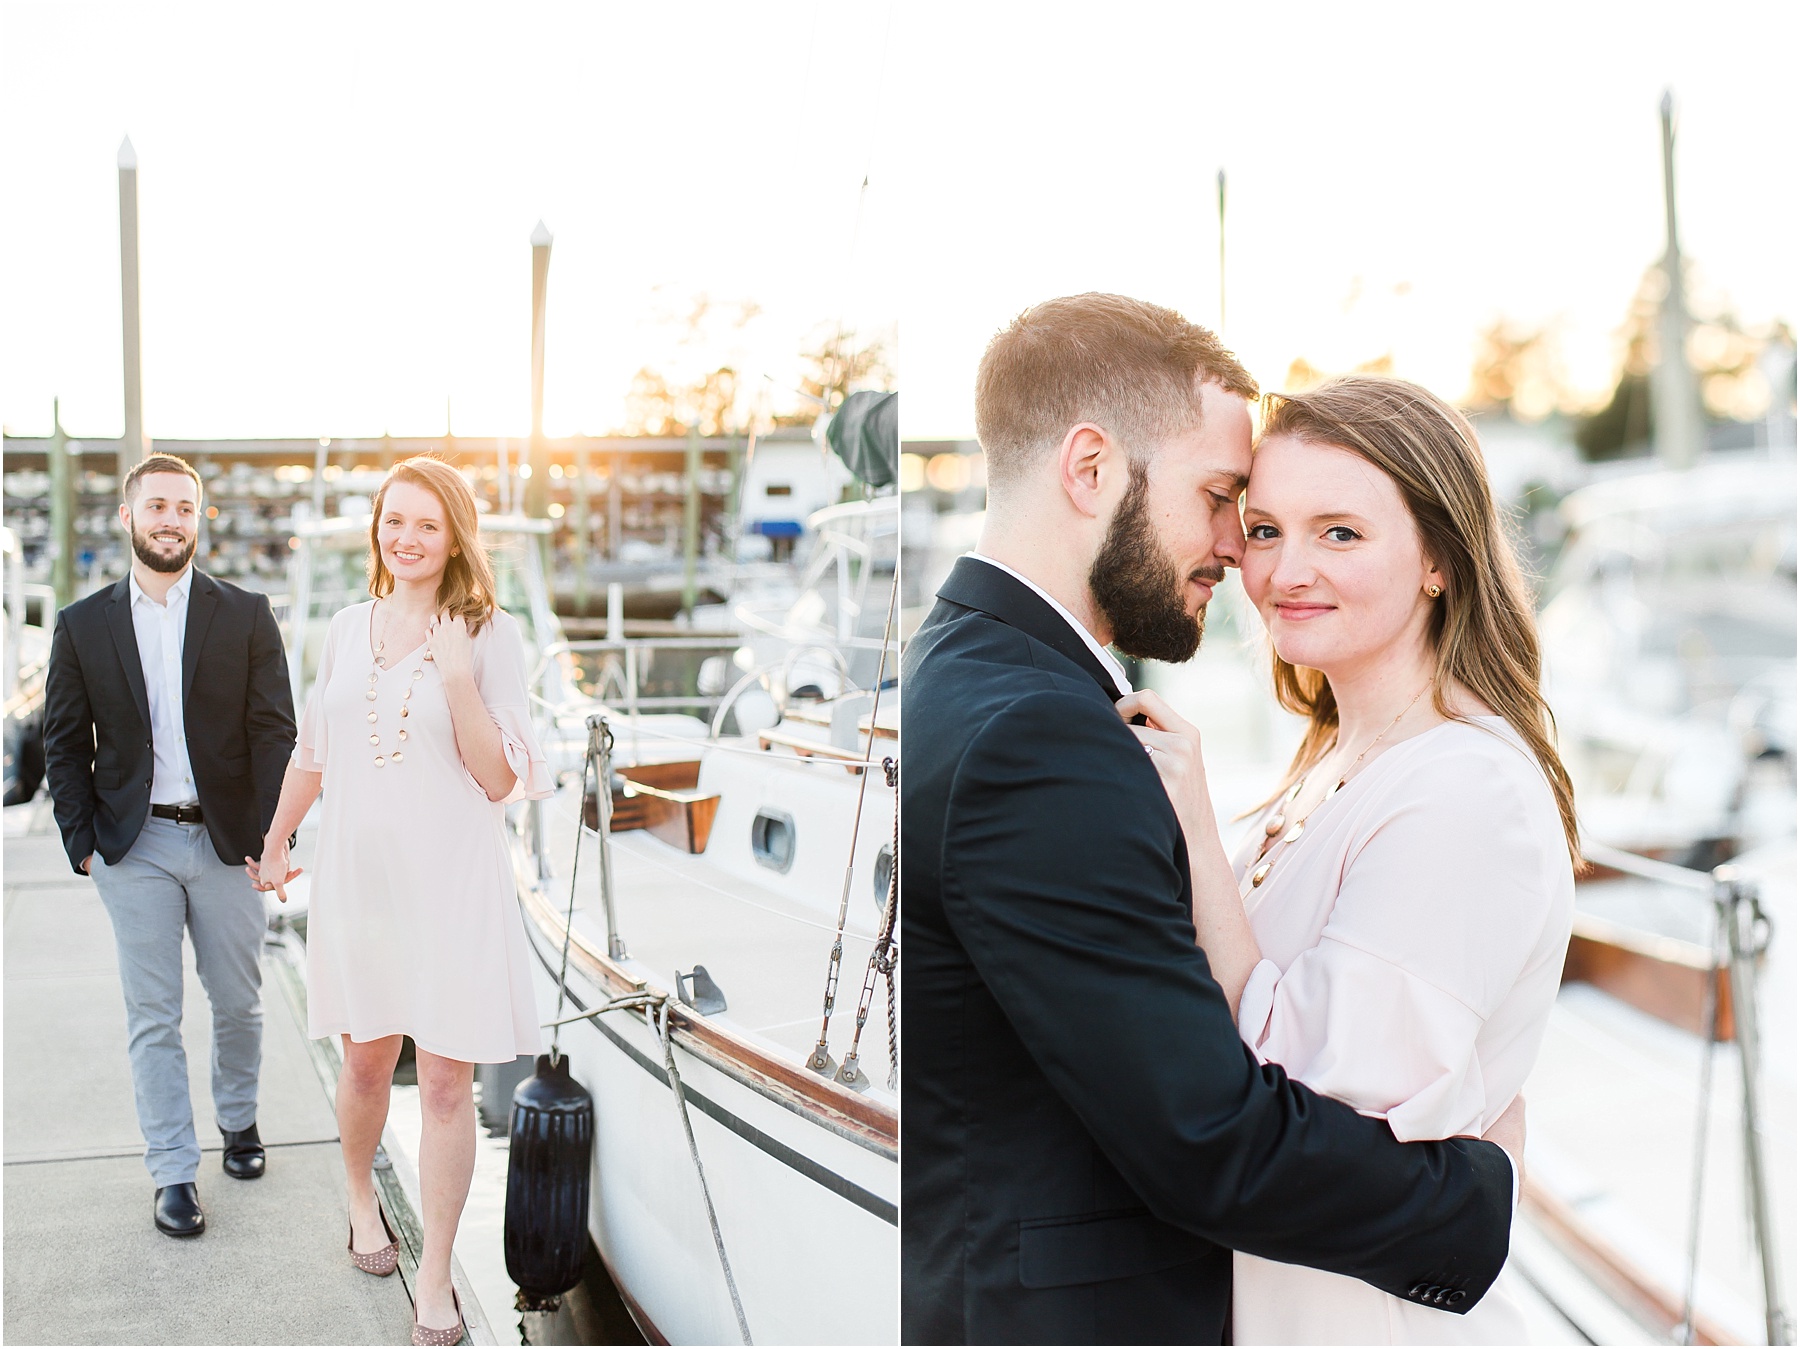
(414, 925)
(1413, 942)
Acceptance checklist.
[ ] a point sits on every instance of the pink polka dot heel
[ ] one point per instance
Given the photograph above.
(454, 1335)
(380, 1263)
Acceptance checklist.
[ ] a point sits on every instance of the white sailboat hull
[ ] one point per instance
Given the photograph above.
(808, 1218)
(803, 1172)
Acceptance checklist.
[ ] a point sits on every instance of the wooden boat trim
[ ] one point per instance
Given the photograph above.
(866, 1122)
(854, 760)
(666, 775)
(1650, 945)
(808, 716)
(885, 731)
(682, 817)
(1661, 976)
(1642, 1297)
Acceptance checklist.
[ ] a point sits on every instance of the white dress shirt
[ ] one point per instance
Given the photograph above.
(161, 638)
(1107, 660)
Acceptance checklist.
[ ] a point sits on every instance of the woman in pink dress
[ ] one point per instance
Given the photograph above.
(418, 732)
(1393, 933)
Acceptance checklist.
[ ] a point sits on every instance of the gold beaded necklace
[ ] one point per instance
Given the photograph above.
(1278, 821)
(397, 754)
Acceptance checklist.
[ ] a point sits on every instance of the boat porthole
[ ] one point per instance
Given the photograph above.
(772, 839)
(884, 875)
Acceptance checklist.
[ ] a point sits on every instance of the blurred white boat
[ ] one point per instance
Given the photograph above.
(1669, 641)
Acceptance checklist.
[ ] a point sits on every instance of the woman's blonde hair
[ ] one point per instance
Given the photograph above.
(1482, 627)
(467, 585)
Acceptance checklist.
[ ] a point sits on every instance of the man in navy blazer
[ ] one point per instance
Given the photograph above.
(1085, 1138)
(168, 723)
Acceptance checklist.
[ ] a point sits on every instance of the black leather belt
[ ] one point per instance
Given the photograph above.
(179, 814)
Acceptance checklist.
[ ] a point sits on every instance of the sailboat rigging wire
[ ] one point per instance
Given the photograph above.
(687, 1126)
(882, 959)
(820, 1059)
(562, 978)
(1709, 1029)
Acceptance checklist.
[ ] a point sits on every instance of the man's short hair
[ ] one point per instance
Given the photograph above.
(157, 463)
(1130, 367)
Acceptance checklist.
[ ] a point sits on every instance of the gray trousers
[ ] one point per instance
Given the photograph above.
(173, 880)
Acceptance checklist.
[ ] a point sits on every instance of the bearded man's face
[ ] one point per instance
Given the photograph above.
(164, 520)
(1140, 589)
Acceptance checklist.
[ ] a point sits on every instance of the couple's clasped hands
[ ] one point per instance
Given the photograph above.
(449, 647)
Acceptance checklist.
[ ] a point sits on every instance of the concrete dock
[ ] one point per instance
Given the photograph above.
(84, 1264)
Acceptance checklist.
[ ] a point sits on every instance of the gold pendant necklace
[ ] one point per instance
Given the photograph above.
(1278, 821)
(397, 754)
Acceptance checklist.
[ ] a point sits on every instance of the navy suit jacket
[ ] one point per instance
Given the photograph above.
(1084, 1136)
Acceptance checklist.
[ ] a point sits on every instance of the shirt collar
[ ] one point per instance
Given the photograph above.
(178, 593)
(1107, 660)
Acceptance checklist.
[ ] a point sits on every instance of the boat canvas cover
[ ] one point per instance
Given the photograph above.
(866, 435)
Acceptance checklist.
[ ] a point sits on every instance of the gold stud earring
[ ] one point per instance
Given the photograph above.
(1434, 591)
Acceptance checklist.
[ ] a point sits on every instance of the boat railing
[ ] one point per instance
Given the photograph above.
(551, 678)
(625, 684)
(853, 540)
(1740, 935)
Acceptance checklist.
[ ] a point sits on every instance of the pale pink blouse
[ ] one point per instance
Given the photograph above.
(1413, 942)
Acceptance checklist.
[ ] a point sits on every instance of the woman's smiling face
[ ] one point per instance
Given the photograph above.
(1332, 558)
(413, 532)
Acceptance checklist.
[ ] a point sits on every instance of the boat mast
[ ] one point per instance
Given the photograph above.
(132, 447)
(1674, 396)
(1221, 254)
(537, 455)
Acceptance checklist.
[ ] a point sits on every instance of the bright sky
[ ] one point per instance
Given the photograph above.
(1400, 174)
(336, 202)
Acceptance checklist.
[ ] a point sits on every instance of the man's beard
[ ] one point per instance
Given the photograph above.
(1139, 590)
(163, 562)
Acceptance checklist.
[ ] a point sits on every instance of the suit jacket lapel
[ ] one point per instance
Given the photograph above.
(976, 585)
(118, 618)
(203, 599)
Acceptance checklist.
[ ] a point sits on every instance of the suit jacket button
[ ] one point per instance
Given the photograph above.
(1456, 1298)
(1419, 1292)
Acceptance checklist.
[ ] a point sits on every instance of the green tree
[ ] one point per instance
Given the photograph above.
(834, 365)
(656, 406)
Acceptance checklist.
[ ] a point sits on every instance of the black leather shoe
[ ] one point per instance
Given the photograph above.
(178, 1211)
(244, 1155)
